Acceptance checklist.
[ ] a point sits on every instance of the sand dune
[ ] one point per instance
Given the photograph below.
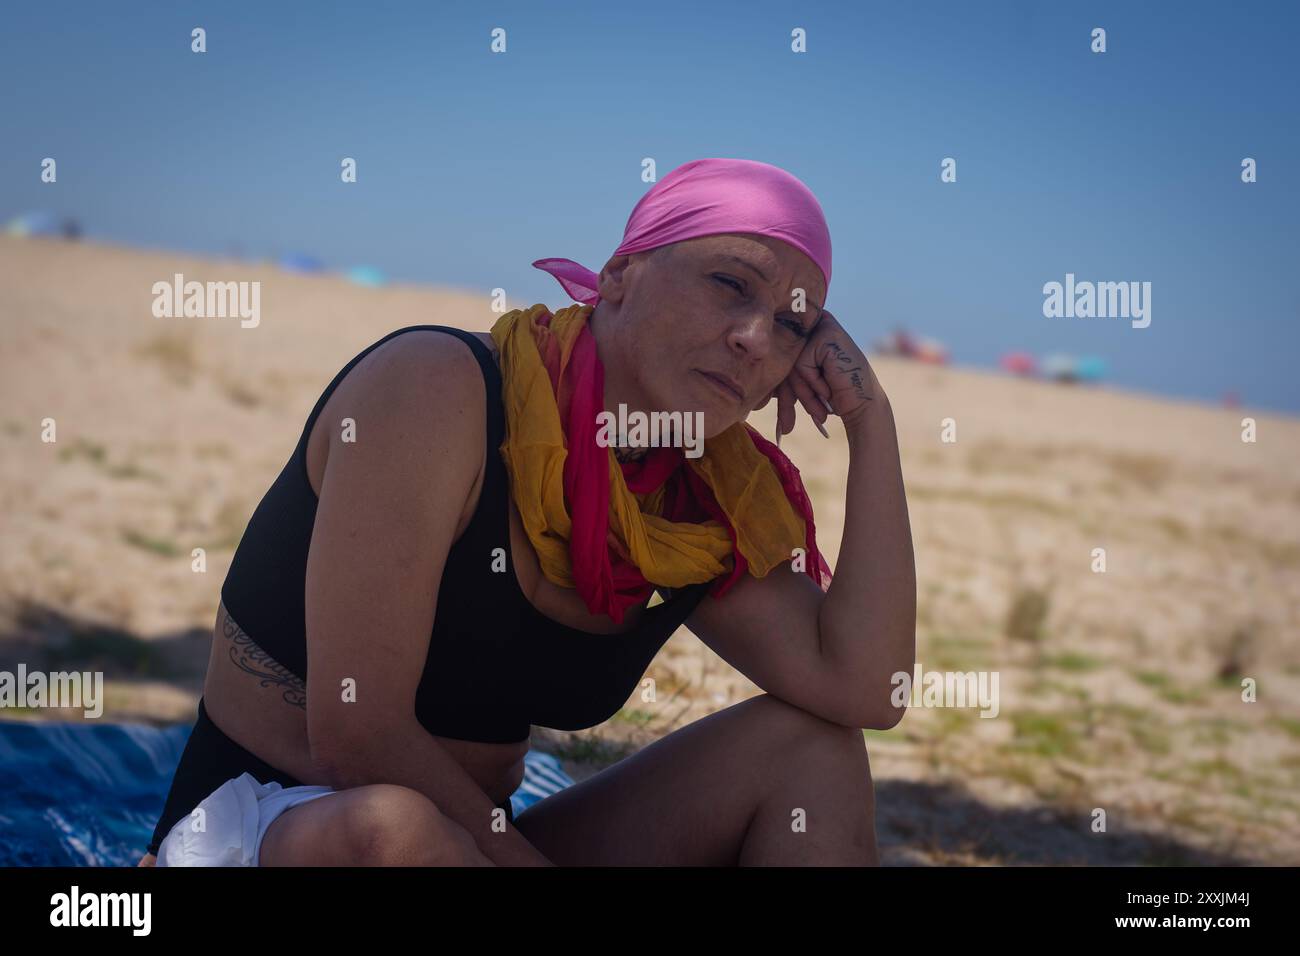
(1119, 690)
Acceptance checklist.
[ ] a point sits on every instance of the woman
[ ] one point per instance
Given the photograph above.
(448, 597)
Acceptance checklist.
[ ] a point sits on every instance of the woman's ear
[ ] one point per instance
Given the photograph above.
(610, 280)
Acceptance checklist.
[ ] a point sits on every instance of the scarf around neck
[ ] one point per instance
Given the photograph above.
(615, 530)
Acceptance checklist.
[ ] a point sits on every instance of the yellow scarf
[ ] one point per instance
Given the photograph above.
(672, 554)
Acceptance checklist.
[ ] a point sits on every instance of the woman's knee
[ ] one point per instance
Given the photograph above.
(808, 746)
(391, 825)
(795, 729)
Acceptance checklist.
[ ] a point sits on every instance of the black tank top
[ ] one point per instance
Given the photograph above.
(495, 664)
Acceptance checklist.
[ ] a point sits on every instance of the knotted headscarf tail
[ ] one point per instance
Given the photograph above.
(614, 530)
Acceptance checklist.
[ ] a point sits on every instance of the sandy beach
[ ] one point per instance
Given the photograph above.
(1120, 690)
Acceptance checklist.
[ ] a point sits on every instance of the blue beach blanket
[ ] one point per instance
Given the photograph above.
(89, 794)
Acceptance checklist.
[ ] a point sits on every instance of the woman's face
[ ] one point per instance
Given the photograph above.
(725, 305)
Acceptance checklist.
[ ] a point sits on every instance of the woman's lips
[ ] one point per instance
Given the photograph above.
(724, 385)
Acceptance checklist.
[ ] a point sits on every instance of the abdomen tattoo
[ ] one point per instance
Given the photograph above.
(251, 659)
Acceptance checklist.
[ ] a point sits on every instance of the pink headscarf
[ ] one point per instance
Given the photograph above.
(706, 197)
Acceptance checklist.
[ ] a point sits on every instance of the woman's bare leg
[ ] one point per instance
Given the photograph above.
(377, 825)
(759, 783)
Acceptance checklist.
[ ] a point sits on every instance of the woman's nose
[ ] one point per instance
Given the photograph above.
(753, 334)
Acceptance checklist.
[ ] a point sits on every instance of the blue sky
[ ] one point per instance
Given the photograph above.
(1116, 166)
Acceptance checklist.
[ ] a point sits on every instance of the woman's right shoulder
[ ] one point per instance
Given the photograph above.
(422, 386)
(420, 348)
(421, 366)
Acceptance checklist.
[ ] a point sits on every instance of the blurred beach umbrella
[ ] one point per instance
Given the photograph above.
(1090, 368)
(1059, 368)
(897, 342)
(42, 223)
(932, 351)
(1019, 363)
(300, 262)
(366, 275)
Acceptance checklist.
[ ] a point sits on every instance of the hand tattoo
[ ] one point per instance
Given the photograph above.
(843, 361)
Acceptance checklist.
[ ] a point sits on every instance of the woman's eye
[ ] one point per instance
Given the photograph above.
(795, 326)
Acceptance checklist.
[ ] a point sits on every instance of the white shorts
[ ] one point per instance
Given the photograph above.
(234, 821)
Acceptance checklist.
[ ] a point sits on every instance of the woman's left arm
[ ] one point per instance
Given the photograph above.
(835, 653)
(868, 618)
(867, 622)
